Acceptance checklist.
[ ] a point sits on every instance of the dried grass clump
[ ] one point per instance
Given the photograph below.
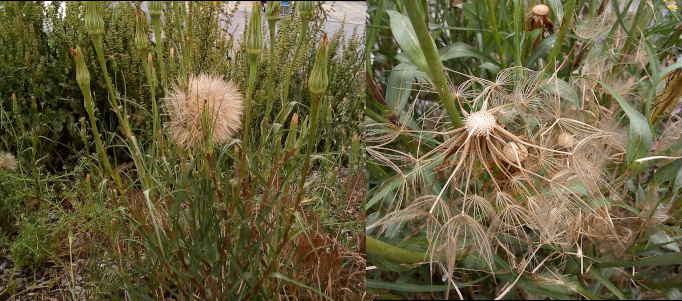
(8, 162)
(186, 106)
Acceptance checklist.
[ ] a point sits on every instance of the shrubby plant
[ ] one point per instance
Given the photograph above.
(198, 195)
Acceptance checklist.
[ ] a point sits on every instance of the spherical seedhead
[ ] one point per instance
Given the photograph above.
(565, 140)
(513, 152)
(540, 9)
(480, 123)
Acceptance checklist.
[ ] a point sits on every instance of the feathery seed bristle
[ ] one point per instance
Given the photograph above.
(512, 150)
(223, 100)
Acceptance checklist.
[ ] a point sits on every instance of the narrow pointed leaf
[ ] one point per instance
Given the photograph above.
(404, 34)
(640, 138)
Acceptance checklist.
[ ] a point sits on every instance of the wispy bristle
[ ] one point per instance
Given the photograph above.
(8, 162)
(224, 103)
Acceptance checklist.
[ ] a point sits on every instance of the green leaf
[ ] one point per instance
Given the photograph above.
(407, 39)
(416, 288)
(540, 52)
(388, 186)
(661, 237)
(380, 248)
(667, 259)
(389, 265)
(285, 278)
(641, 138)
(558, 9)
(604, 281)
(400, 85)
(461, 50)
(654, 64)
(564, 90)
(670, 172)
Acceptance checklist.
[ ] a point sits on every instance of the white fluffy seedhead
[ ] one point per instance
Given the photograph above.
(480, 123)
(8, 162)
(541, 10)
(223, 101)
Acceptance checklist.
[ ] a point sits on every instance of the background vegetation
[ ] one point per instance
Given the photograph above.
(617, 61)
(182, 220)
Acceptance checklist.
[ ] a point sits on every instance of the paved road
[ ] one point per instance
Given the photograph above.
(352, 12)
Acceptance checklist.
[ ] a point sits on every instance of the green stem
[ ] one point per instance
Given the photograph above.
(187, 51)
(84, 136)
(90, 108)
(492, 21)
(178, 25)
(380, 248)
(99, 48)
(156, 23)
(253, 63)
(36, 178)
(630, 38)
(565, 24)
(433, 59)
(312, 129)
(271, 99)
(519, 32)
(155, 109)
(285, 91)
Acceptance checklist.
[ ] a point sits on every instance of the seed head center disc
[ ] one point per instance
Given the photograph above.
(480, 123)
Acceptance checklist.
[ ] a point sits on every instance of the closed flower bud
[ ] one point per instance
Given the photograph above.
(291, 137)
(155, 8)
(150, 63)
(254, 35)
(140, 34)
(318, 77)
(93, 18)
(566, 140)
(82, 74)
(34, 105)
(294, 121)
(514, 153)
(272, 10)
(306, 10)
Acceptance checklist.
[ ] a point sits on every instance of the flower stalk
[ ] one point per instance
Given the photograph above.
(318, 84)
(155, 9)
(95, 26)
(187, 51)
(254, 43)
(414, 11)
(83, 79)
(15, 109)
(565, 24)
(142, 44)
(272, 12)
(178, 26)
(305, 11)
(492, 21)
